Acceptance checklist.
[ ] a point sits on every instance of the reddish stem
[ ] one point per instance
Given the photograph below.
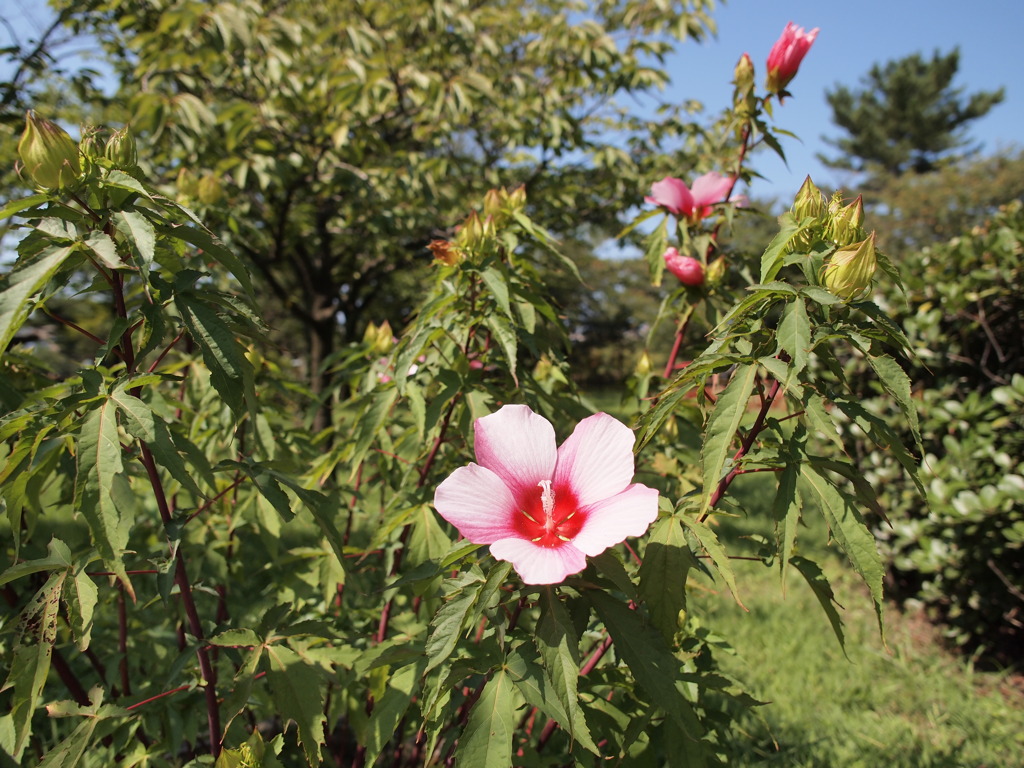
(748, 443)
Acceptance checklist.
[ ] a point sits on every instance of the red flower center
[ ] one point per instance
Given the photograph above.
(549, 517)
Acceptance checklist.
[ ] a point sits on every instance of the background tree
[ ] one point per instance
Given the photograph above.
(906, 117)
(330, 141)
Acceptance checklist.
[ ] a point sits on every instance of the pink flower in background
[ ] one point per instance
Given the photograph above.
(787, 53)
(686, 268)
(673, 194)
(542, 508)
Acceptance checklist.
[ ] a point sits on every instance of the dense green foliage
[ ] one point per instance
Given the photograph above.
(329, 142)
(207, 563)
(963, 553)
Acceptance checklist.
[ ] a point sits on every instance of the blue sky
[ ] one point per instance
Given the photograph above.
(855, 35)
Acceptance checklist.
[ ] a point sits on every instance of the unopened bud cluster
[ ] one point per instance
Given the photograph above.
(835, 224)
(478, 230)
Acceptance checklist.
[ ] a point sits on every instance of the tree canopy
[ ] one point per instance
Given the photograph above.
(907, 117)
(332, 139)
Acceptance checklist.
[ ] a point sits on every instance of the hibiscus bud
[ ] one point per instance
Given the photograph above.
(716, 270)
(209, 190)
(517, 198)
(121, 151)
(446, 252)
(89, 146)
(809, 201)
(844, 225)
(49, 154)
(848, 273)
(370, 334)
(644, 366)
(743, 74)
(494, 201)
(742, 94)
(471, 232)
(689, 271)
(385, 339)
(785, 56)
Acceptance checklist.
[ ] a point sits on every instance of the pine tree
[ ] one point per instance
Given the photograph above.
(906, 118)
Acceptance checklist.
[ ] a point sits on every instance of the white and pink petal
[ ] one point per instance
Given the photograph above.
(613, 520)
(540, 565)
(596, 461)
(477, 502)
(517, 445)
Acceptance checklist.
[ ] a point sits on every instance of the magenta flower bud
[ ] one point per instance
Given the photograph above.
(785, 56)
(689, 271)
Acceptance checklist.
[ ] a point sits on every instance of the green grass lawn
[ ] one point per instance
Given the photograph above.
(904, 702)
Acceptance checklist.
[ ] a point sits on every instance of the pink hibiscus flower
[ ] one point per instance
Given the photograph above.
(545, 509)
(694, 204)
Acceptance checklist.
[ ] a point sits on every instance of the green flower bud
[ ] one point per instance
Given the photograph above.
(494, 202)
(89, 146)
(644, 366)
(49, 154)
(209, 190)
(845, 221)
(848, 273)
(517, 198)
(716, 270)
(121, 151)
(385, 340)
(809, 201)
(188, 186)
(743, 92)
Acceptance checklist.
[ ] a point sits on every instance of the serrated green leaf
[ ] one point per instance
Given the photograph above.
(882, 435)
(99, 463)
(663, 573)
(203, 238)
(823, 591)
(653, 666)
(786, 508)
(558, 644)
(230, 372)
(236, 638)
(139, 232)
(390, 709)
(498, 287)
(30, 661)
(816, 417)
(897, 384)
(487, 738)
(771, 259)
(23, 283)
(17, 206)
(847, 527)
(297, 691)
(794, 335)
(725, 419)
(447, 625)
(710, 543)
(101, 244)
(505, 335)
(80, 596)
(370, 422)
(58, 558)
